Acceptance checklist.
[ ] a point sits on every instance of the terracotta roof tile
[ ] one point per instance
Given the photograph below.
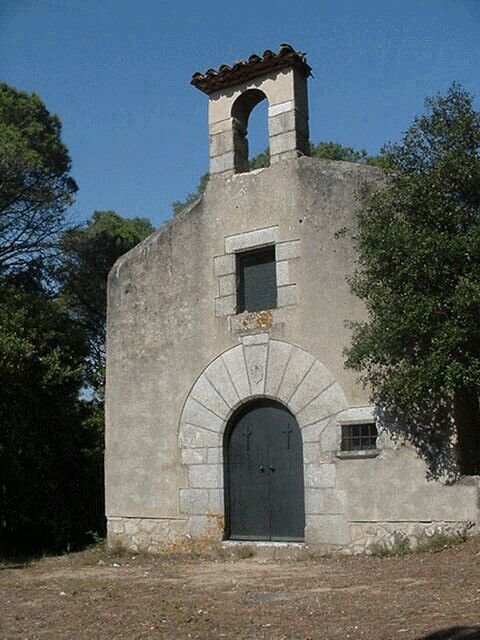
(243, 71)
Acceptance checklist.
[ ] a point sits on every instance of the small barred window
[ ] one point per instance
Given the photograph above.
(359, 437)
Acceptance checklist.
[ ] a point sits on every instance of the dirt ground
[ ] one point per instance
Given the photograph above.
(95, 594)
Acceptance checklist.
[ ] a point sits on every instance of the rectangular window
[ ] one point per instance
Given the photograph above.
(256, 280)
(359, 437)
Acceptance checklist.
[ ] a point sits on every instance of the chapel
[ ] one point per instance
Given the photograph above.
(230, 415)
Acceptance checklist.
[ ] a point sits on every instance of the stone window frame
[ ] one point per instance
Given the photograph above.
(358, 415)
(225, 267)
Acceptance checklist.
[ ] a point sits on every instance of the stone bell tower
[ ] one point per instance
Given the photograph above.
(280, 78)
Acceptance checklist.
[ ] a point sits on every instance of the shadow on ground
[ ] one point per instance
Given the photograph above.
(454, 633)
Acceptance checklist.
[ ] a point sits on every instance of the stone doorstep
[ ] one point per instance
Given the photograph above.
(266, 550)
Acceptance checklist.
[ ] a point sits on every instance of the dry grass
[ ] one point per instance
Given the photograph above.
(96, 594)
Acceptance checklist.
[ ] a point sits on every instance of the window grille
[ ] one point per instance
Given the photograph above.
(359, 437)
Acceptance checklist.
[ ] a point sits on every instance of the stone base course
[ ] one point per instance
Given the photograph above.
(368, 537)
(150, 535)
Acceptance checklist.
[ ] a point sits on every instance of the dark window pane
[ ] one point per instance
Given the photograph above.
(257, 280)
(358, 437)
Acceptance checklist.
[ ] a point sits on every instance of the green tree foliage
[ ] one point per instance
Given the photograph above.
(336, 151)
(179, 205)
(260, 161)
(52, 329)
(418, 272)
(88, 254)
(50, 460)
(35, 185)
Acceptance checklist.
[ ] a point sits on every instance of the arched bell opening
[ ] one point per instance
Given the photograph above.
(263, 474)
(240, 113)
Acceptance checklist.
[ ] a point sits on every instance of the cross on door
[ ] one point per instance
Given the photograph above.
(288, 432)
(247, 433)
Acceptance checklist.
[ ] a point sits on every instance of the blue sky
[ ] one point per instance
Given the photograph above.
(118, 72)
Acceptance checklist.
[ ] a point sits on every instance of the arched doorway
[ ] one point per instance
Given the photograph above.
(263, 463)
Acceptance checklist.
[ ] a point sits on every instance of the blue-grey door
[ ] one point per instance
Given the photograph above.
(264, 487)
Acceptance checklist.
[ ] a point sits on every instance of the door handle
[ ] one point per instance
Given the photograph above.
(272, 469)
(261, 468)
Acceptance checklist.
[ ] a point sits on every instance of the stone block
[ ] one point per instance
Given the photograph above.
(198, 526)
(215, 455)
(220, 106)
(221, 143)
(256, 361)
(176, 530)
(194, 456)
(218, 376)
(286, 122)
(131, 526)
(293, 154)
(288, 250)
(251, 239)
(192, 436)
(331, 437)
(234, 361)
(149, 524)
(224, 265)
(312, 433)
(283, 142)
(206, 394)
(227, 285)
(278, 356)
(311, 452)
(283, 274)
(300, 92)
(194, 501)
(357, 415)
(281, 107)
(222, 163)
(225, 306)
(281, 123)
(205, 476)
(220, 126)
(215, 501)
(160, 536)
(329, 402)
(298, 366)
(316, 381)
(196, 414)
(116, 525)
(320, 476)
(256, 338)
(287, 296)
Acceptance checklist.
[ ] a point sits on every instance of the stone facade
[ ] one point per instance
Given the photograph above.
(181, 360)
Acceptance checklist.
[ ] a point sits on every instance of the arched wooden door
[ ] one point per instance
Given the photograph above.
(264, 490)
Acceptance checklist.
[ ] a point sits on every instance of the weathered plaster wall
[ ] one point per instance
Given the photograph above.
(162, 327)
(171, 314)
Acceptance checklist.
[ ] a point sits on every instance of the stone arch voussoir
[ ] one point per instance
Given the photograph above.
(258, 367)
